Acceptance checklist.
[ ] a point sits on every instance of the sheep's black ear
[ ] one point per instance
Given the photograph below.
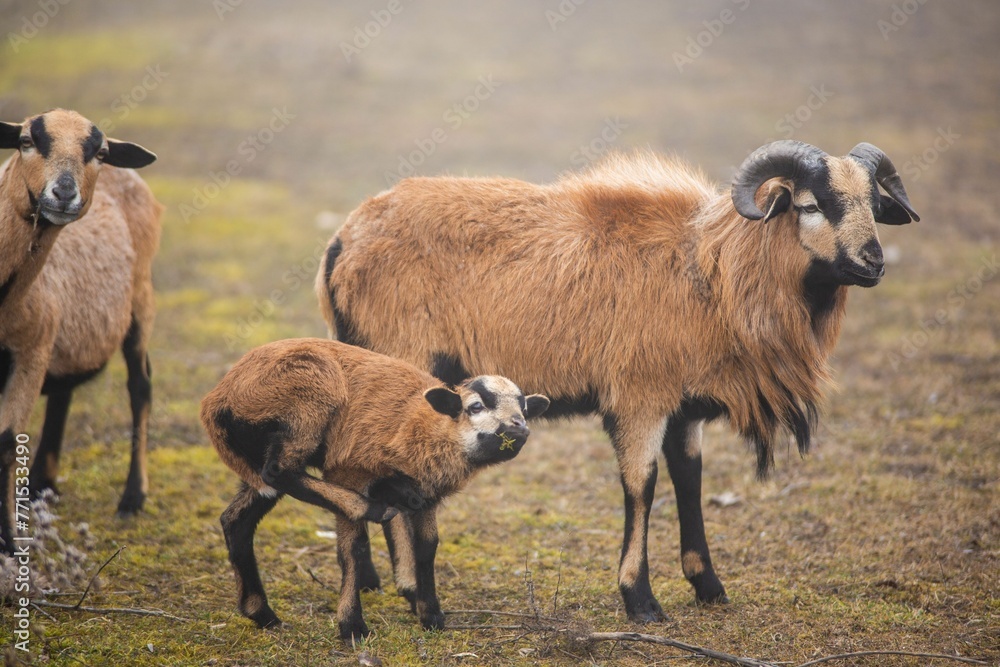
(445, 401)
(891, 213)
(128, 155)
(10, 135)
(778, 202)
(535, 405)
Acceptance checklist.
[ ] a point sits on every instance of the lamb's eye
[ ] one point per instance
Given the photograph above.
(26, 142)
(476, 408)
(811, 208)
(102, 154)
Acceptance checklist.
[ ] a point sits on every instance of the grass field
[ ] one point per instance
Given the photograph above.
(272, 123)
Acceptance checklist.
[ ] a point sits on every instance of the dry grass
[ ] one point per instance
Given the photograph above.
(887, 537)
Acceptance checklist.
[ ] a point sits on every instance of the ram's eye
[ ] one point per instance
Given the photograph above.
(102, 154)
(26, 142)
(811, 208)
(476, 408)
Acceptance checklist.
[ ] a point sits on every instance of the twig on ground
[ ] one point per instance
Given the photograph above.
(859, 654)
(44, 613)
(315, 578)
(111, 610)
(666, 641)
(96, 574)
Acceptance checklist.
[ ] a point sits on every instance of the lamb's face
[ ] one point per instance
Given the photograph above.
(491, 414)
(60, 158)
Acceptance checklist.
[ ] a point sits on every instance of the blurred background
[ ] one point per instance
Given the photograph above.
(273, 120)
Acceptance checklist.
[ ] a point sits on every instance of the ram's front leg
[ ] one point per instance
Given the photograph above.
(24, 383)
(425, 542)
(637, 441)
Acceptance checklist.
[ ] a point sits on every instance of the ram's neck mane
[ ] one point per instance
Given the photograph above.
(780, 328)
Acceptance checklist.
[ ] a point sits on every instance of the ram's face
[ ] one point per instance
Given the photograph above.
(491, 413)
(60, 158)
(835, 202)
(836, 209)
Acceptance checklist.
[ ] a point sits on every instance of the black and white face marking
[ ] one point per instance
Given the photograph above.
(494, 418)
(61, 154)
(835, 210)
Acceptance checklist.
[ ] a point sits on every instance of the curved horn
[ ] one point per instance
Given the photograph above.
(785, 158)
(880, 166)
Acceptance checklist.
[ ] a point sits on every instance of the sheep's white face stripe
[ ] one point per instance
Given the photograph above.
(814, 220)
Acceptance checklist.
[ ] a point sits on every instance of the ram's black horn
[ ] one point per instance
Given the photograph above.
(785, 159)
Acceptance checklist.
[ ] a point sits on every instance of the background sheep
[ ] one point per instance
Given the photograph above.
(384, 434)
(636, 290)
(71, 294)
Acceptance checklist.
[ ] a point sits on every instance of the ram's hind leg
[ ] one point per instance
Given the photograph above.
(45, 467)
(682, 447)
(140, 392)
(239, 523)
(636, 444)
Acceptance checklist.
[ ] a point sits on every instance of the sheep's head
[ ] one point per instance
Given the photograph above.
(836, 202)
(60, 155)
(491, 413)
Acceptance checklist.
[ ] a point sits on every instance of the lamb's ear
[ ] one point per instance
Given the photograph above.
(10, 135)
(128, 155)
(444, 400)
(535, 405)
(778, 201)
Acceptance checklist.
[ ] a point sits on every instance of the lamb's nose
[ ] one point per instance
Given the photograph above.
(65, 188)
(518, 421)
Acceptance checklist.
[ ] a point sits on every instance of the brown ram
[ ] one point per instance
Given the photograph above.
(637, 290)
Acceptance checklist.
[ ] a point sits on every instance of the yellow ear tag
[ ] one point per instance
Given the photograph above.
(508, 442)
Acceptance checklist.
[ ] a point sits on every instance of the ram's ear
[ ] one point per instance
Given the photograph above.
(10, 135)
(444, 400)
(535, 405)
(128, 155)
(779, 200)
(891, 213)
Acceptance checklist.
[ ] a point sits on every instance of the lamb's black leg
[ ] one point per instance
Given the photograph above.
(45, 467)
(682, 447)
(399, 538)
(425, 536)
(350, 620)
(8, 454)
(239, 523)
(368, 575)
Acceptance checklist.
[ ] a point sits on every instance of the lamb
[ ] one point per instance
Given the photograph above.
(648, 296)
(76, 251)
(386, 436)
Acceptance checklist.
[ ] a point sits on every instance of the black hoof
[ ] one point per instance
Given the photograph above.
(39, 486)
(266, 619)
(130, 504)
(646, 611)
(433, 620)
(710, 592)
(353, 631)
(379, 512)
(370, 580)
